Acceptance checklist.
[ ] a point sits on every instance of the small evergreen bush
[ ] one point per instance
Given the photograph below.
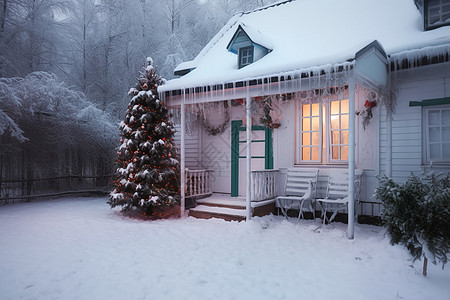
(417, 214)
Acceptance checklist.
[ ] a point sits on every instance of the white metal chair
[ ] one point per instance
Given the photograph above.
(336, 198)
(300, 190)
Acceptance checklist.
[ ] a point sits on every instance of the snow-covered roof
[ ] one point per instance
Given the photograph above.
(308, 33)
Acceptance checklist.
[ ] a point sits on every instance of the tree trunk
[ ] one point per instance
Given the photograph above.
(425, 264)
(3, 19)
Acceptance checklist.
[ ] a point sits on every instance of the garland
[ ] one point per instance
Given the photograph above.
(366, 113)
(385, 96)
(216, 130)
(266, 119)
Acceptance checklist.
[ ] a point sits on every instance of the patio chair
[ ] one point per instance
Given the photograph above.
(300, 190)
(336, 198)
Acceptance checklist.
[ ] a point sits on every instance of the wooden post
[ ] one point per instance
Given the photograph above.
(248, 209)
(425, 266)
(351, 159)
(183, 152)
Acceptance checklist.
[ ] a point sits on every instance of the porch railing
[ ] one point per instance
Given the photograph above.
(264, 185)
(198, 183)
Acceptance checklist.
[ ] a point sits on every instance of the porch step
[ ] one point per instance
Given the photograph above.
(237, 203)
(222, 206)
(226, 213)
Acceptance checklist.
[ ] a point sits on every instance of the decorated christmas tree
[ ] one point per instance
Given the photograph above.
(147, 176)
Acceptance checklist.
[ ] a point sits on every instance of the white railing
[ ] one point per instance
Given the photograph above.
(264, 185)
(198, 183)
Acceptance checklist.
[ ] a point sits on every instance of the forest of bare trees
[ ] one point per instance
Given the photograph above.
(65, 69)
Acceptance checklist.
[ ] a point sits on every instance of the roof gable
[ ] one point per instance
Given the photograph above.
(245, 37)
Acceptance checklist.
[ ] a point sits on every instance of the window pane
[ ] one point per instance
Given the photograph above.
(334, 107)
(315, 109)
(435, 151)
(306, 109)
(446, 151)
(434, 2)
(306, 153)
(334, 122)
(335, 152)
(344, 122)
(315, 123)
(306, 139)
(344, 152)
(344, 106)
(446, 117)
(335, 137)
(434, 134)
(434, 117)
(306, 124)
(344, 137)
(445, 134)
(315, 153)
(315, 138)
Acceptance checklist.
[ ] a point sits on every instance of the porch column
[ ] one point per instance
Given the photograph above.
(351, 159)
(389, 144)
(248, 208)
(182, 155)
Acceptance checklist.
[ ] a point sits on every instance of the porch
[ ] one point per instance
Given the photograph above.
(266, 186)
(205, 204)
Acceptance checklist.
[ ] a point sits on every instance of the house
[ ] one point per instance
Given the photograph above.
(349, 84)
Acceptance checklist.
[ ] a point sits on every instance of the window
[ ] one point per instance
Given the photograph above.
(311, 132)
(323, 132)
(339, 120)
(437, 13)
(437, 134)
(245, 56)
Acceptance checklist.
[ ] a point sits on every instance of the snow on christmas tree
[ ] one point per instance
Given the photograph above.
(147, 176)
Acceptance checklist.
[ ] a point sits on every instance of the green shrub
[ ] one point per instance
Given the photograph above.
(417, 214)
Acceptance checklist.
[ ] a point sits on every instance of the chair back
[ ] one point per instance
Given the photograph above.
(337, 187)
(299, 180)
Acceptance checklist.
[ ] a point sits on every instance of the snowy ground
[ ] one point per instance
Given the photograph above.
(77, 248)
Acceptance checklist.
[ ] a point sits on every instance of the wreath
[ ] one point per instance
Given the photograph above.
(216, 130)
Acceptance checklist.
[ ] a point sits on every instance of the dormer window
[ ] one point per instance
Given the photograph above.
(248, 45)
(436, 13)
(245, 56)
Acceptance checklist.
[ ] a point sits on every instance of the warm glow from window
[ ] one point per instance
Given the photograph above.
(324, 127)
(339, 125)
(310, 133)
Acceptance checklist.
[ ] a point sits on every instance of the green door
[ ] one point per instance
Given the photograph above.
(238, 152)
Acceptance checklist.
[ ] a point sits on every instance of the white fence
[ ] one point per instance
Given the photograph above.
(264, 185)
(198, 183)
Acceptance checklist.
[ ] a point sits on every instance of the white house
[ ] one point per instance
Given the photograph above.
(307, 75)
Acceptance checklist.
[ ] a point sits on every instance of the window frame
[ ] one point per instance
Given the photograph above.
(251, 56)
(426, 160)
(426, 12)
(325, 147)
(329, 133)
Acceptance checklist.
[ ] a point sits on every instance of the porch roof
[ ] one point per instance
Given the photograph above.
(310, 33)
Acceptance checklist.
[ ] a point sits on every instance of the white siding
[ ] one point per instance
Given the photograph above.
(411, 85)
(192, 142)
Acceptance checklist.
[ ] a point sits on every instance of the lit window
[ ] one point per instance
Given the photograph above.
(437, 13)
(311, 132)
(339, 121)
(324, 127)
(437, 134)
(245, 56)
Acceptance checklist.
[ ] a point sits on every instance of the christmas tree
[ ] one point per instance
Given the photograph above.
(147, 177)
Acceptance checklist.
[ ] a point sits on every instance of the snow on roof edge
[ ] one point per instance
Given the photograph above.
(295, 72)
